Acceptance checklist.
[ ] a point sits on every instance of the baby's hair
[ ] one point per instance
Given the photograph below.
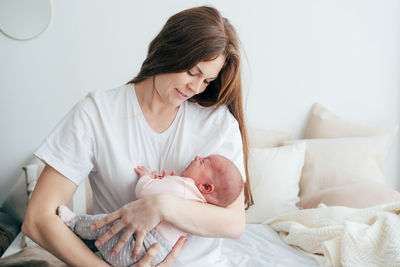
(228, 183)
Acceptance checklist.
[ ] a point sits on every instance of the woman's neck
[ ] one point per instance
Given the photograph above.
(150, 101)
(158, 114)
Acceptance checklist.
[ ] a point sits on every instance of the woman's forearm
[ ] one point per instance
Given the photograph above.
(204, 219)
(53, 235)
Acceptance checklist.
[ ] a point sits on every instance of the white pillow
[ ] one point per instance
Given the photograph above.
(266, 138)
(274, 175)
(331, 162)
(325, 124)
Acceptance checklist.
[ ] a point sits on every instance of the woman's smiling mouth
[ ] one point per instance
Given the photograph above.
(182, 94)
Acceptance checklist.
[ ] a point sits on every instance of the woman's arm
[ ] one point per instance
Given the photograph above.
(189, 215)
(43, 226)
(204, 219)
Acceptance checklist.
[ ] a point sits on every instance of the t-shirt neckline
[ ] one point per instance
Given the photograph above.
(143, 120)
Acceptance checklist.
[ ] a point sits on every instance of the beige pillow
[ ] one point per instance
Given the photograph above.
(275, 175)
(324, 124)
(357, 195)
(339, 161)
(266, 138)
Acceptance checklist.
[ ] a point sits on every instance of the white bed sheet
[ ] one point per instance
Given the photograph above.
(262, 246)
(259, 246)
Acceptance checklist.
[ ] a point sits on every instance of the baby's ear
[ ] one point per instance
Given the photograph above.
(206, 188)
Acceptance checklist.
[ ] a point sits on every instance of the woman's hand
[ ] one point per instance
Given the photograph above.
(168, 261)
(138, 217)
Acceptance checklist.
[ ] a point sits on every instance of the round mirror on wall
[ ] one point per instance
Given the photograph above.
(24, 19)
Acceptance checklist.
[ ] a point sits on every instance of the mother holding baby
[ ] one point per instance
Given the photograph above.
(185, 102)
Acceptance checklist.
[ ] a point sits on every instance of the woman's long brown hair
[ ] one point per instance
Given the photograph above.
(202, 34)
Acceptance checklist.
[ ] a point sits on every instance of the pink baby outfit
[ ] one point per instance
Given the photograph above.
(175, 185)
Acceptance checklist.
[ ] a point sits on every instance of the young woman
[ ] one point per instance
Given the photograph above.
(185, 101)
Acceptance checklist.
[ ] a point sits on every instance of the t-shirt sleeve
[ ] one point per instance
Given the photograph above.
(232, 146)
(69, 146)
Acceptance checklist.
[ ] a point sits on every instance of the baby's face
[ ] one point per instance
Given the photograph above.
(201, 169)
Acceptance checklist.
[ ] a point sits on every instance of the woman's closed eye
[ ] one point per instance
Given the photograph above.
(193, 74)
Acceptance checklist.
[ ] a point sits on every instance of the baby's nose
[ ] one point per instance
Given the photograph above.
(197, 158)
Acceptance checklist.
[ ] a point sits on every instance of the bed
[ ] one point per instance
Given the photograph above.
(262, 246)
(306, 212)
(259, 246)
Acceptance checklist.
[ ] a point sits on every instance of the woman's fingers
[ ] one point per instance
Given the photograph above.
(149, 256)
(175, 252)
(168, 261)
(106, 220)
(121, 242)
(138, 243)
(115, 229)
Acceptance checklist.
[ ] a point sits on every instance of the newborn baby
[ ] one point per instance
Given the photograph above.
(213, 179)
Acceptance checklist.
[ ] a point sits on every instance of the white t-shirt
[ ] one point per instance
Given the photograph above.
(106, 135)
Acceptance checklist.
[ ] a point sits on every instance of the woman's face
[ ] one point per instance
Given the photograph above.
(175, 88)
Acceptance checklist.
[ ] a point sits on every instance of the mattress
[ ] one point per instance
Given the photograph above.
(259, 246)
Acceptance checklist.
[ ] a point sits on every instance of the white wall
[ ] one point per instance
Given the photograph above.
(344, 54)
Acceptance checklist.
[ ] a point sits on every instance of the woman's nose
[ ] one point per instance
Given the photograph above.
(195, 86)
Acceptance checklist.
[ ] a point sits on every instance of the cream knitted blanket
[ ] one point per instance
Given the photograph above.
(341, 236)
